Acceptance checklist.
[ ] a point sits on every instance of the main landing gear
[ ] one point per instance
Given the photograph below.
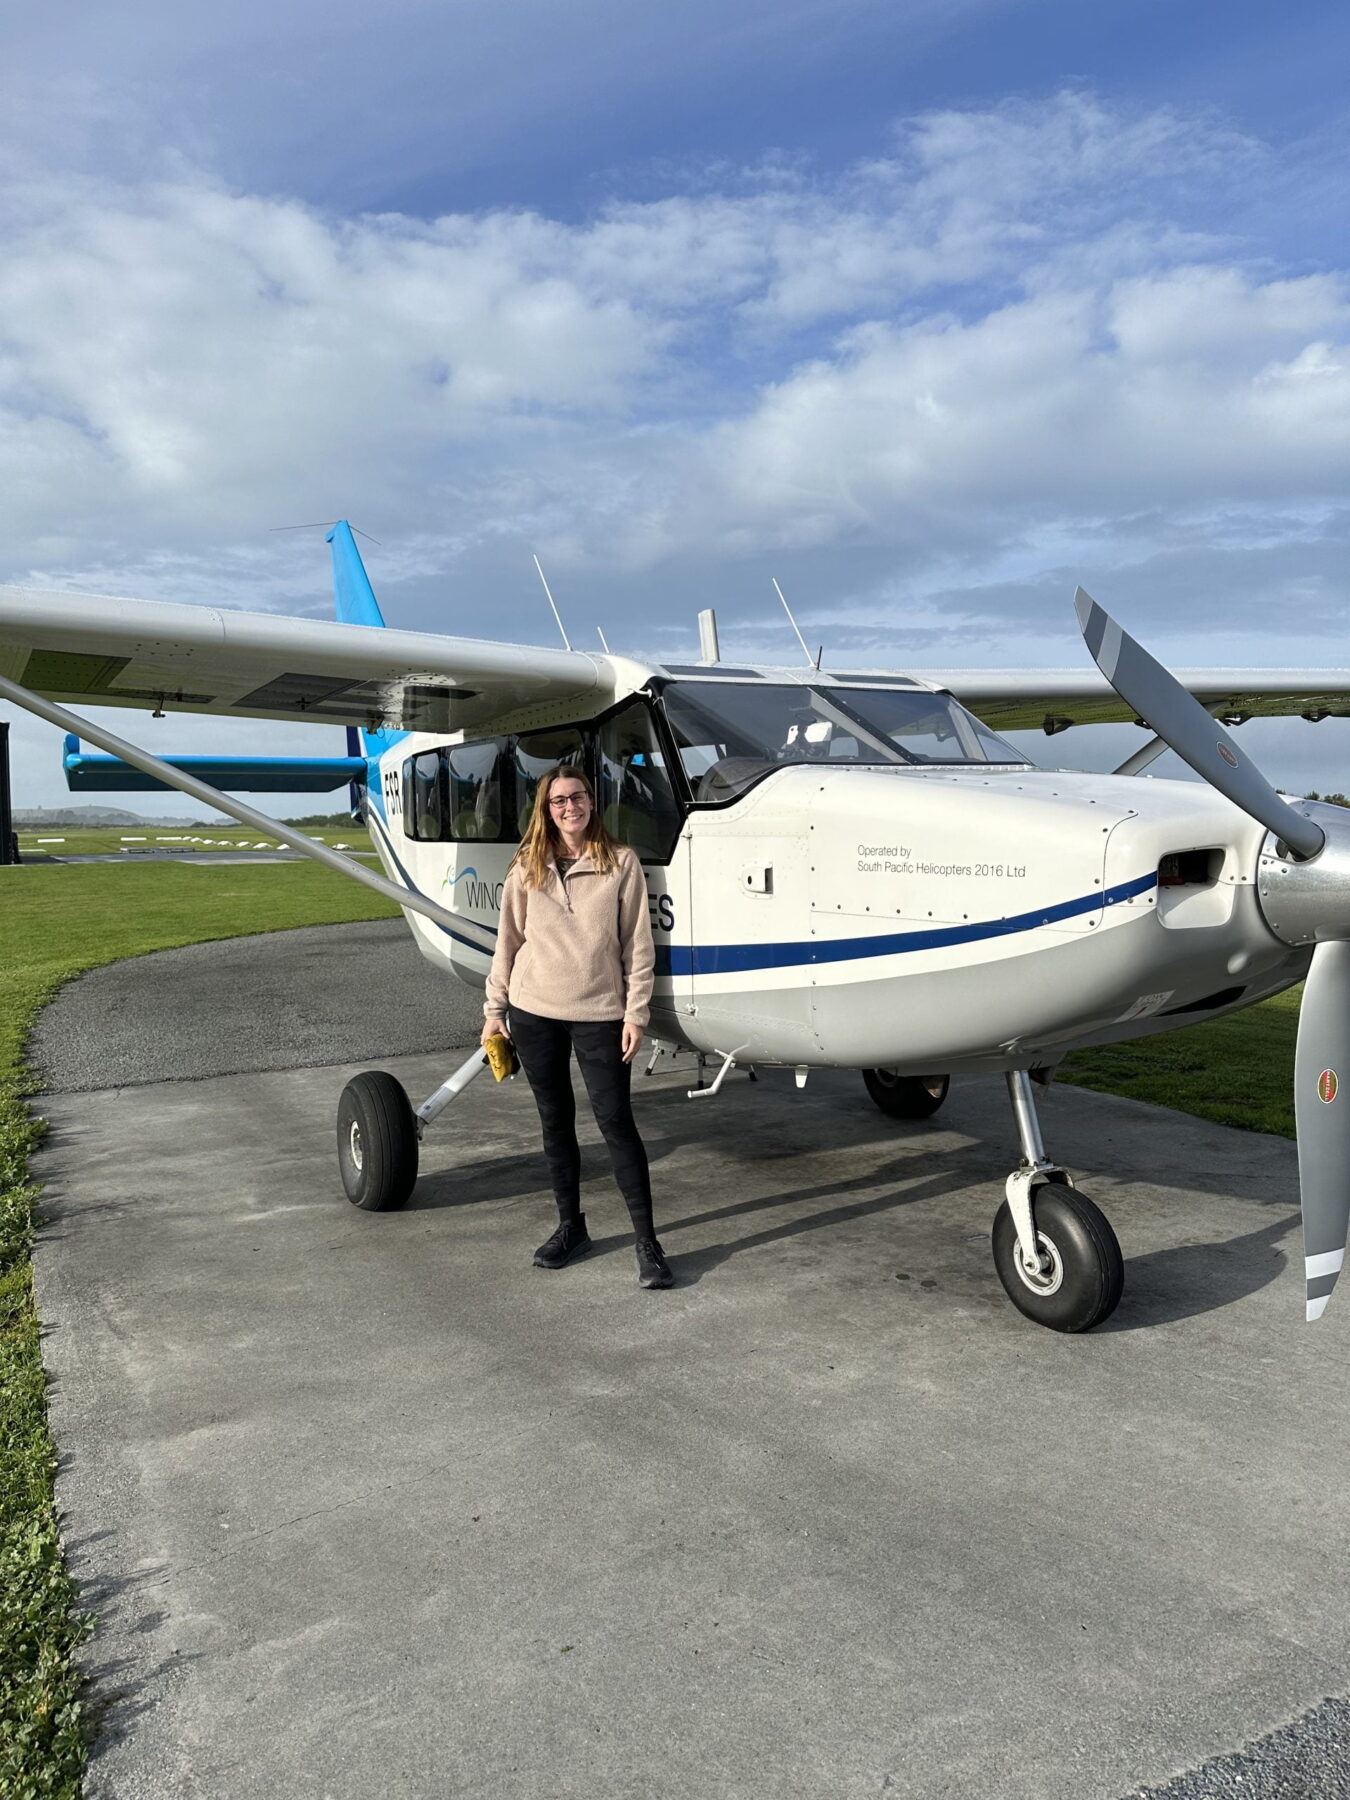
(1054, 1251)
(906, 1096)
(377, 1141)
(378, 1133)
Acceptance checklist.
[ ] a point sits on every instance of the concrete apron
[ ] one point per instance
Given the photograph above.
(370, 1506)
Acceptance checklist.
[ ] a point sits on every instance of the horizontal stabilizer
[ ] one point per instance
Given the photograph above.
(86, 774)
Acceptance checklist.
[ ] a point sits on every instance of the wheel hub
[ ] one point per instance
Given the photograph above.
(1048, 1276)
(354, 1146)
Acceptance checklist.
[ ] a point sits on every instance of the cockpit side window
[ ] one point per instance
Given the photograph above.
(729, 735)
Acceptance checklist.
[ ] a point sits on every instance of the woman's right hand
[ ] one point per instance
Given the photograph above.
(494, 1028)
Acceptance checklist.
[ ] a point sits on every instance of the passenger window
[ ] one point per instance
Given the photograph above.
(409, 811)
(635, 795)
(428, 790)
(477, 774)
(536, 753)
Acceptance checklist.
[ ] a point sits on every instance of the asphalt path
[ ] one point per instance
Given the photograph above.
(368, 1505)
(285, 1000)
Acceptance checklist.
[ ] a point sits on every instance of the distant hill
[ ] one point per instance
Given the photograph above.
(89, 815)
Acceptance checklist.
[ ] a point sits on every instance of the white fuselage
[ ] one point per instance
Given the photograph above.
(921, 920)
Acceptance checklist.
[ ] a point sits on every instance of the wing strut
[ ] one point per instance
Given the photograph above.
(226, 803)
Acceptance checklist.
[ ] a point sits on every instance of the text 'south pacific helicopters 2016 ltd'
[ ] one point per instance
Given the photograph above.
(845, 869)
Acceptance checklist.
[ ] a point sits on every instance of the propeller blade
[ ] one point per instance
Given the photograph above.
(1197, 737)
(1322, 1110)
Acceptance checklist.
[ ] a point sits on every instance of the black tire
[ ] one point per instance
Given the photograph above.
(906, 1096)
(377, 1141)
(1083, 1283)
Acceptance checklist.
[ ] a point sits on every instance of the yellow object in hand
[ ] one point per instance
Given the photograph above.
(501, 1056)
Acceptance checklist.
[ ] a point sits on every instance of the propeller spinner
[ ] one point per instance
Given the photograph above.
(1304, 889)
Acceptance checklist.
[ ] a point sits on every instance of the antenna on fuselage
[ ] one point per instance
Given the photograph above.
(812, 662)
(709, 649)
(603, 645)
(557, 615)
(326, 525)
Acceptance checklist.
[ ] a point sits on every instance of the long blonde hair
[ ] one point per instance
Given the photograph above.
(542, 842)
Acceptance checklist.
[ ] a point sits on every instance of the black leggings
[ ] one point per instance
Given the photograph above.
(545, 1049)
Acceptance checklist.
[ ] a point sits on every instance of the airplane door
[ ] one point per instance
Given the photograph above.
(637, 803)
(746, 979)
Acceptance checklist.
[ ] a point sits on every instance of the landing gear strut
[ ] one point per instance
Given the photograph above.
(1054, 1251)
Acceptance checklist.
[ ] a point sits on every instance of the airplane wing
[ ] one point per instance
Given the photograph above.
(104, 651)
(1053, 699)
(97, 650)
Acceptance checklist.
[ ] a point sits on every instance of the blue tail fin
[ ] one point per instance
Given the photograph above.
(353, 595)
(355, 604)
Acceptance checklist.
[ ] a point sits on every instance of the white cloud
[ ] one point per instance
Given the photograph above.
(189, 354)
(1014, 344)
(1066, 402)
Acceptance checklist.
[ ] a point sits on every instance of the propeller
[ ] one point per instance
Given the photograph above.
(1186, 727)
(1323, 1119)
(1303, 887)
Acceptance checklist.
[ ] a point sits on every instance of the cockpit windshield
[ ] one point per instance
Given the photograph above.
(729, 734)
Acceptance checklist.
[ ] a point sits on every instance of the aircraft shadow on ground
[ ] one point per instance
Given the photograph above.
(693, 1265)
(854, 1122)
(1161, 1286)
(476, 1183)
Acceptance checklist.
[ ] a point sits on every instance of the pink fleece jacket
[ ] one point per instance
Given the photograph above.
(580, 947)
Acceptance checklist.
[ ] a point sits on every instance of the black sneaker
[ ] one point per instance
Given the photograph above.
(569, 1240)
(653, 1269)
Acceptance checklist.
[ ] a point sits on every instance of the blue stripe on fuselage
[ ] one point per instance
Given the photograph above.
(735, 959)
(728, 959)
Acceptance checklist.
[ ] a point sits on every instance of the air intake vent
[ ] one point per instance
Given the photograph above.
(1210, 1003)
(1190, 868)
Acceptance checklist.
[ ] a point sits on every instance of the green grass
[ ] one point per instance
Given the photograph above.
(101, 840)
(1236, 1071)
(55, 922)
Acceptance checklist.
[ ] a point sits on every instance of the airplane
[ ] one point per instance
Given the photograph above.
(846, 868)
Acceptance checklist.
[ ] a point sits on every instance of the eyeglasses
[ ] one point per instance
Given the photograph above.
(565, 800)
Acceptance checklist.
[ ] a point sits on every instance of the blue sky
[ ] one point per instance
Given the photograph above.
(930, 311)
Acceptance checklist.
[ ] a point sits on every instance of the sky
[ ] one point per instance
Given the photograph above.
(930, 311)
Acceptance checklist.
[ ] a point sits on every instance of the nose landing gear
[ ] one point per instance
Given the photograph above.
(1054, 1250)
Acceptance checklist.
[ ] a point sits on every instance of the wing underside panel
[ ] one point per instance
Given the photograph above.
(1053, 699)
(86, 649)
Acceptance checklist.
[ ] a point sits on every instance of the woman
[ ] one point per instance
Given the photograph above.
(574, 964)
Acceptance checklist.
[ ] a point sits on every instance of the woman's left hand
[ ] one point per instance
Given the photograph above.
(632, 1040)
